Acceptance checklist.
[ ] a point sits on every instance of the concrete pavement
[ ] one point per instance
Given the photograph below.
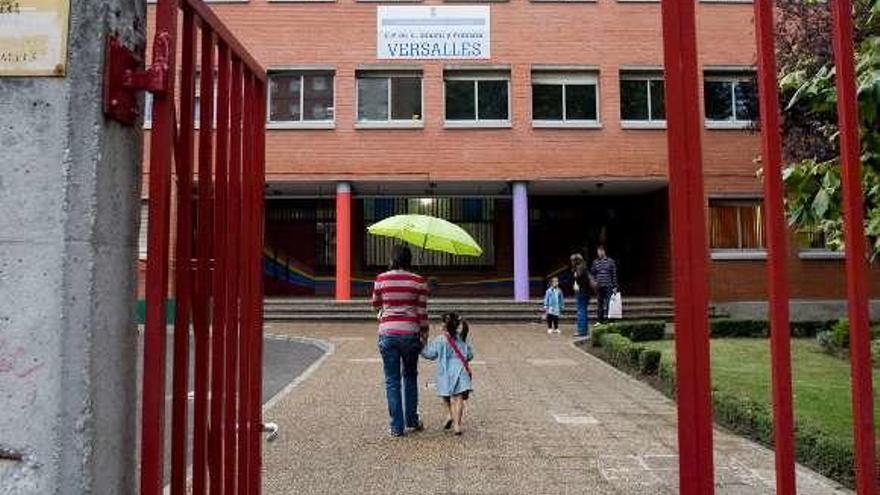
(545, 418)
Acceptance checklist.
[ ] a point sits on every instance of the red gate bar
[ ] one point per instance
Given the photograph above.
(256, 377)
(182, 276)
(218, 332)
(777, 275)
(233, 280)
(856, 264)
(244, 341)
(688, 242)
(161, 152)
(203, 280)
(217, 261)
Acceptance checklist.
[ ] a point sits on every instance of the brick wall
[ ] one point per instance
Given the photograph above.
(606, 33)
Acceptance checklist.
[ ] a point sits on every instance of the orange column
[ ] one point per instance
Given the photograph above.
(343, 241)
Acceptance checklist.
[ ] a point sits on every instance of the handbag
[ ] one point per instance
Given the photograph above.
(615, 306)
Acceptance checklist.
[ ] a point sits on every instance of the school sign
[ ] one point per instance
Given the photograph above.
(442, 32)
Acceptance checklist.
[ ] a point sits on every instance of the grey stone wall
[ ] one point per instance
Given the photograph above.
(69, 202)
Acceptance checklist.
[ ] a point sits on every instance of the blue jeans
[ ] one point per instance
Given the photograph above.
(400, 357)
(583, 320)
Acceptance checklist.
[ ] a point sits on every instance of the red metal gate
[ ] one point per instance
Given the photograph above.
(688, 233)
(217, 256)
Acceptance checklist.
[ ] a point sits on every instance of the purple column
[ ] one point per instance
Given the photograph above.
(520, 241)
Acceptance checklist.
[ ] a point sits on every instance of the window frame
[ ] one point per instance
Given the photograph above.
(476, 76)
(820, 253)
(737, 254)
(732, 77)
(566, 78)
(301, 123)
(646, 76)
(389, 123)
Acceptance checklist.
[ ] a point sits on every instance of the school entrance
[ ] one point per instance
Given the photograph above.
(628, 217)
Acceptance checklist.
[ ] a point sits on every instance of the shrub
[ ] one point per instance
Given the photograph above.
(617, 346)
(637, 331)
(739, 328)
(649, 362)
(810, 328)
(840, 334)
(824, 340)
(598, 332)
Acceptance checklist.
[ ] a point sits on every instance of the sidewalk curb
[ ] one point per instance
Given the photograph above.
(328, 347)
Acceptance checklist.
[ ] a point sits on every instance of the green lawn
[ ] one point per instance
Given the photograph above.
(821, 381)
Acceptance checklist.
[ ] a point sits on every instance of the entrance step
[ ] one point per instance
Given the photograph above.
(502, 310)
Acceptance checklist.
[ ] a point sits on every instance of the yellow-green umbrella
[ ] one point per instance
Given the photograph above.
(428, 232)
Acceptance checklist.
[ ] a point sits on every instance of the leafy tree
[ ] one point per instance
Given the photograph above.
(810, 133)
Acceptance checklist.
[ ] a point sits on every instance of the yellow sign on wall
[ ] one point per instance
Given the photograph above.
(33, 37)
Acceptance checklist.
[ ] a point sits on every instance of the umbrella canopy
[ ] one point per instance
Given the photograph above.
(428, 232)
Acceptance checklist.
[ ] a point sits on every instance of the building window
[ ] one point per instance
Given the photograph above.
(389, 98)
(730, 100)
(475, 98)
(564, 98)
(301, 97)
(642, 98)
(736, 225)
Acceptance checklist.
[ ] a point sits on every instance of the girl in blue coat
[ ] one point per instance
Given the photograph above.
(554, 304)
(453, 354)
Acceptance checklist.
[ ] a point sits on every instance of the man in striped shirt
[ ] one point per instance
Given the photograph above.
(604, 270)
(401, 297)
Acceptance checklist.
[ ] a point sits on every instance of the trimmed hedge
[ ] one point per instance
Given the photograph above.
(821, 452)
(825, 454)
(738, 328)
(649, 362)
(730, 328)
(636, 331)
(627, 355)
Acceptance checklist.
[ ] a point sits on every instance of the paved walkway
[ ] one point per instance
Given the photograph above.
(545, 418)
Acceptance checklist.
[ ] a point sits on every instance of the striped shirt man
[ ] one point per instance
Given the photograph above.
(402, 298)
(604, 270)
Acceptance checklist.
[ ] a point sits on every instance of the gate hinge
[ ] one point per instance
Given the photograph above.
(124, 78)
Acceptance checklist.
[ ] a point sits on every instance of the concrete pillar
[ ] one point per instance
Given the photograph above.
(343, 241)
(69, 204)
(520, 241)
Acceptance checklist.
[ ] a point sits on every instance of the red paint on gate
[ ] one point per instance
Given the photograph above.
(217, 263)
(688, 240)
(856, 262)
(217, 435)
(777, 276)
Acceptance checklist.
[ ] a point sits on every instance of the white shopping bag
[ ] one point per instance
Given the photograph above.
(615, 307)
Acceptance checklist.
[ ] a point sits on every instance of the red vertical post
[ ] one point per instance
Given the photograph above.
(201, 312)
(233, 323)
(688, 240)
(343, 241)
(245, 238)
(183, 258)
(777, 275)
(161, 147)
(856, 264)
(259, 126)
(219, 319)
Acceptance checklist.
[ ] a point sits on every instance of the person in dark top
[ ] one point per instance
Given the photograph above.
(604, 271)
(583, 284)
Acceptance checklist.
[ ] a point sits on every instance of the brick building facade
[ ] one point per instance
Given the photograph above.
(582, 136)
